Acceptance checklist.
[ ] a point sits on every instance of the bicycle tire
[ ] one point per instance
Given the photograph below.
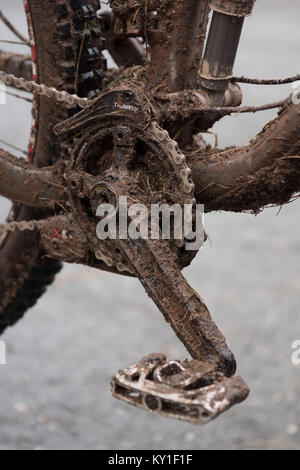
(61, 52)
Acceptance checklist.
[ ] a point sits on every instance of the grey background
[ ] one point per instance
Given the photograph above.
(54, 391)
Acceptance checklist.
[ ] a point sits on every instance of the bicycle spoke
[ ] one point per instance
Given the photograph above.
(18, 149)
(12, 28)
(17, 96)
(19, 43)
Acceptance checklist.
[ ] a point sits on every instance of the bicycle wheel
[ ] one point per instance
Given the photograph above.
(66, 53)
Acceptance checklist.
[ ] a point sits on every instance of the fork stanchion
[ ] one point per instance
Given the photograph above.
(223, 42)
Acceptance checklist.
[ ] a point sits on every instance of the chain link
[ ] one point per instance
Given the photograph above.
(50, 92)
(21, 226)
(184, 173)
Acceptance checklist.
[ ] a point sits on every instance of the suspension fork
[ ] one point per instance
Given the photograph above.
(223, 42)
(176, 50)
(177, 61)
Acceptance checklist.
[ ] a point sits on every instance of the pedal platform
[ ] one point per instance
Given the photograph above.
(190, 391)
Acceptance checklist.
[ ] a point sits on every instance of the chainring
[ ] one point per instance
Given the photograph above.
(118, 139)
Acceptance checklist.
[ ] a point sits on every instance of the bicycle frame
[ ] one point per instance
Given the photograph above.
(167, 58)
(214, 178)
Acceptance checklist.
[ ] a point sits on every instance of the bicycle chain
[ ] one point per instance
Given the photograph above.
(121, 264)
(179, 163)
(40, 89)
(21, 226)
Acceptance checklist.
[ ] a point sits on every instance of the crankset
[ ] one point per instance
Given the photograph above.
(121, 153)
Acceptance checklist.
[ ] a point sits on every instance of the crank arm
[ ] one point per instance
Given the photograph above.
(197, 390)
(156, 266)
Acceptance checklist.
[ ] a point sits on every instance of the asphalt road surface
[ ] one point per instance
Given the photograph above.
(54, 390)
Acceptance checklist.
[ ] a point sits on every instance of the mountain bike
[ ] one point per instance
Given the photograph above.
(137, 132)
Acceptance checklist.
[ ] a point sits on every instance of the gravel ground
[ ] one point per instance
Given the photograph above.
(55, 386)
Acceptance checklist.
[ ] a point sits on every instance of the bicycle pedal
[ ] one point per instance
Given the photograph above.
(191, 391)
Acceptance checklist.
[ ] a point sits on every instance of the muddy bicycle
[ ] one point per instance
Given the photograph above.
(136, 131)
